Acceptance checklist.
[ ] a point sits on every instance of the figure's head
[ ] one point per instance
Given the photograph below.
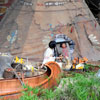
(52, 44)
(63, 45)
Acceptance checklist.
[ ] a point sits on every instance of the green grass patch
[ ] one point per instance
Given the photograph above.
(79, 87)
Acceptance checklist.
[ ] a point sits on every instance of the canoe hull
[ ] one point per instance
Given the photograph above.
(11, 89)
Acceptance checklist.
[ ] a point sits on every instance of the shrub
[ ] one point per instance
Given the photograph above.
(84, 87)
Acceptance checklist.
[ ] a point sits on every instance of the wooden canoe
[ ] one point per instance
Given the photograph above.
(12, 88)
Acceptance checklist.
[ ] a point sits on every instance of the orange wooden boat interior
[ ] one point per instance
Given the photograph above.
(11, 89)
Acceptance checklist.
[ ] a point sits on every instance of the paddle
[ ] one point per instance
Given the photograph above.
(68, 66)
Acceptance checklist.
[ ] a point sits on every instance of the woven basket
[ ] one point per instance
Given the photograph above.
(8, 73)
(18, 68)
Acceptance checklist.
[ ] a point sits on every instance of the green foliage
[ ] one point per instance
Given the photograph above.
(80, 87)
(64, 83)
(48, 94)
(99, 66)
(84, 87)
(30, 94)
(87, 66)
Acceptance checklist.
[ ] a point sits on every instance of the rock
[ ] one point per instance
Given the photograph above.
(5, 61)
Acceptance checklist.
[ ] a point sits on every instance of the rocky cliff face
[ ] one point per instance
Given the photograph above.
(30, 26)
